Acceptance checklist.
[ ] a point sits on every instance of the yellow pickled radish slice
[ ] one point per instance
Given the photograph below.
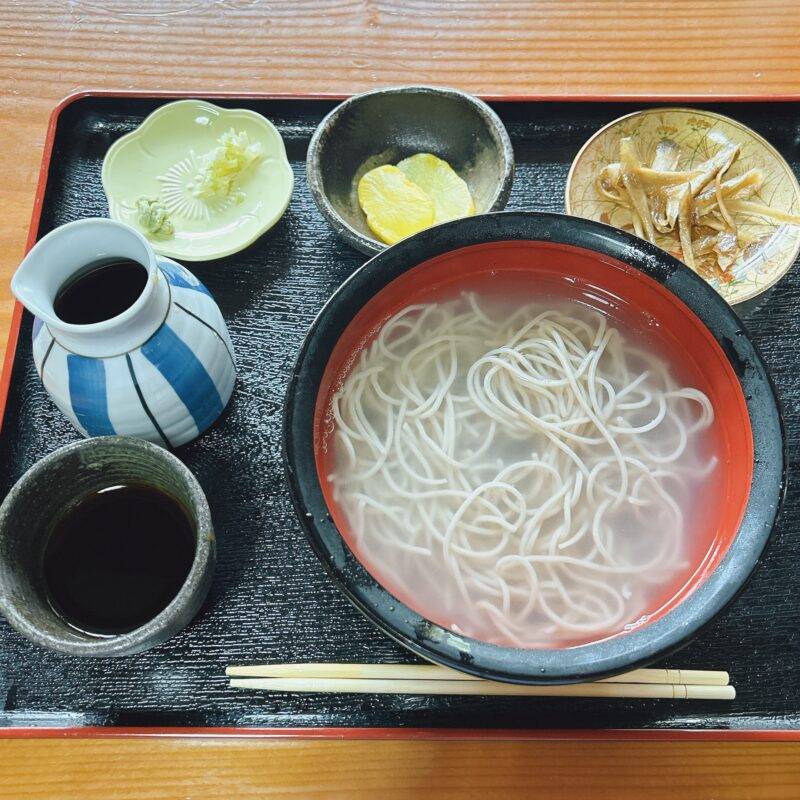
(449, 193)
(395, 207)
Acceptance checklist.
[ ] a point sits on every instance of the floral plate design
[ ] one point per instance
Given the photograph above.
(161, 158)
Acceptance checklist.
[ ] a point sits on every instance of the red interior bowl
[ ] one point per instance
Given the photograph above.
(531, 270)
(636, 283)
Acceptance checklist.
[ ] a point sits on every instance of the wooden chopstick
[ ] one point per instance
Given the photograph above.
(433, 672)
(670, 691)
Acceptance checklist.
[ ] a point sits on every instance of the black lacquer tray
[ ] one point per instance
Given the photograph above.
(271, 600)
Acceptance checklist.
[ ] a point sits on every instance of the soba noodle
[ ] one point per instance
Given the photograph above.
(519, 474)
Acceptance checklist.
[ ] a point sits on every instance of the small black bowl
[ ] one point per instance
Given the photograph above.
(386, 125)
(607, 250)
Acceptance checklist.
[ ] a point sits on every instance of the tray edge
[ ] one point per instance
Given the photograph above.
(355, 733)
(418, 734)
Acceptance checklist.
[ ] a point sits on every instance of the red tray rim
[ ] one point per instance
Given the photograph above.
(361, 733)
(414, 734)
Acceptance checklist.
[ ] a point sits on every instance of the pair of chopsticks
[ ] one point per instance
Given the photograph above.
(426, 679)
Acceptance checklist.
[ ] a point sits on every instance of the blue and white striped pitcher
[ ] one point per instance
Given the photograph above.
(162, 370)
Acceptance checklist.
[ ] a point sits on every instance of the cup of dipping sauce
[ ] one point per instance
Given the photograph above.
(106, 548)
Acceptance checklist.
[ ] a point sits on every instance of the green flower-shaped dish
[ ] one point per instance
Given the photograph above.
(163, 155)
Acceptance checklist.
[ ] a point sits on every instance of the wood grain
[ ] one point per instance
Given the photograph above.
(167, 769)
(49, 49)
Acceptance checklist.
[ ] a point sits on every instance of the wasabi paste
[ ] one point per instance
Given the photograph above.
(153, 217)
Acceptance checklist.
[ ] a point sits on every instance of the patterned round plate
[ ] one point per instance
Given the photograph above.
(161, 159)
(700, 134)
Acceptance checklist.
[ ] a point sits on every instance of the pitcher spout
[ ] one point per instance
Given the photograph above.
(29, 285)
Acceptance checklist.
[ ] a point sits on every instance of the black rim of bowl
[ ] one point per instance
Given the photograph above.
(585, 662)
(369, 244)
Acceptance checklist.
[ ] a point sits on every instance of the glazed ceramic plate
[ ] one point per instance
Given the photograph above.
(699, 134)
(162, 156)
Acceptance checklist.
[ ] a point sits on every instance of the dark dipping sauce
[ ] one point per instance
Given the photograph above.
(117, 558)
(100, 291)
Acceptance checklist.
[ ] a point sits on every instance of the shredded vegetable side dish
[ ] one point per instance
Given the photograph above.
(696, 213)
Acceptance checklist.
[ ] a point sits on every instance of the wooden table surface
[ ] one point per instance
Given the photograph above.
(700, 48)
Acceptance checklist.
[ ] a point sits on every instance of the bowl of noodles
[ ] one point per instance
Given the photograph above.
(533, 447)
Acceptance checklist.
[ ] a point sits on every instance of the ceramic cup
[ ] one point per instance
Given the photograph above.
(383, 126)
(36, 502)
(162, 370)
